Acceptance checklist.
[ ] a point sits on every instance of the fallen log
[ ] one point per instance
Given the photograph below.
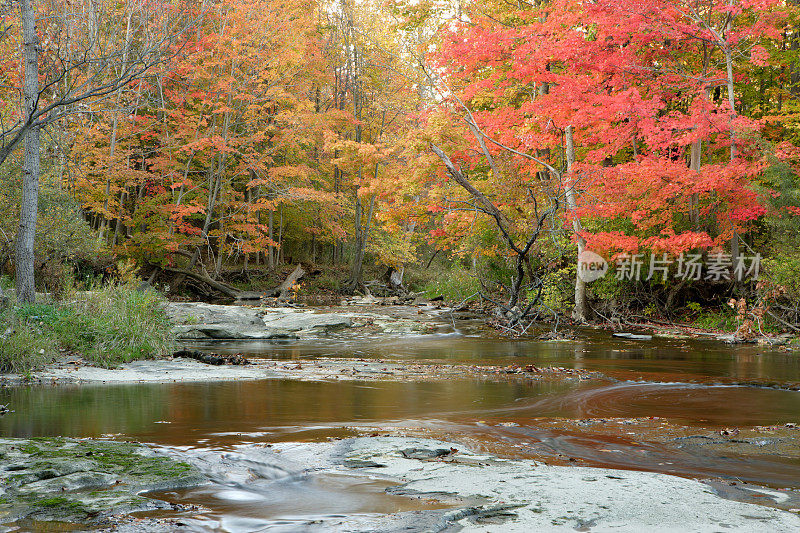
(281, 291)
(223, 288)
(212, 359)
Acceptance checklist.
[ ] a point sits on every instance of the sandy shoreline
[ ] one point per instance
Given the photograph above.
(183, 370)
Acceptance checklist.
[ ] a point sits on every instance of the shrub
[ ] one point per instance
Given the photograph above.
(723, 319)
(782, 270)
(558, 291)
(117, 324)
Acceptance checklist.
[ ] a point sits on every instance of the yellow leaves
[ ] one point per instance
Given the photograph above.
(263, 204)
(290, 171)
(311, 195)
(354, 156)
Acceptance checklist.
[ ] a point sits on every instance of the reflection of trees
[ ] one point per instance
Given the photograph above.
(199, 410)
(83, 411)
(253, 406)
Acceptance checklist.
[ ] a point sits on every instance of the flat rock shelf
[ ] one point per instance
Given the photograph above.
(84, 480)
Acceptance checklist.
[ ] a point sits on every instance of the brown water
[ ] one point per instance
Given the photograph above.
(657, 360)
(690, 384)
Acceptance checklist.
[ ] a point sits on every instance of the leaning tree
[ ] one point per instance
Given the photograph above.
(76, 58)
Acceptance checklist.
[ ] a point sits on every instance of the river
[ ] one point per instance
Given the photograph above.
(660, 394)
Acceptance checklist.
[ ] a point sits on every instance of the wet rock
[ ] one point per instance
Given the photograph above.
(423, 453)
(209, 322)
(361, 300)
(83, 480)
(778, 340)
(359, 463)
(179, 369)
(558, 336)
(524, 496)
(202, 321)
(783, 446)
(70, 482)
(191, 313)
(230, 332)
(293, 322)
(212, 359)
(633, 336)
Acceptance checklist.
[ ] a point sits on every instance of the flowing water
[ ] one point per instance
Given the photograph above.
(697, 386)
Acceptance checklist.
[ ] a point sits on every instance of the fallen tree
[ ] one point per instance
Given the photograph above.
(226, 290)
(282, 290)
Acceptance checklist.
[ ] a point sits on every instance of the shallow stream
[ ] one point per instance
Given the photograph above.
(660, 394)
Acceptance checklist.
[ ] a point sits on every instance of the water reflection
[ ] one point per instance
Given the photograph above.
(231, 412)
(692, 359)
(201, 412)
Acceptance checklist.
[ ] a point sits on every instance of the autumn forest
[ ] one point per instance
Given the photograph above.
(490, 151)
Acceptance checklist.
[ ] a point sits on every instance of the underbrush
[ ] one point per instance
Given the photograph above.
(110, 325)
(455, 285)
(720, 319)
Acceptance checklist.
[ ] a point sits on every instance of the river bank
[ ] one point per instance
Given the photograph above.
(179, 369)
(360, 317)
(196, 321)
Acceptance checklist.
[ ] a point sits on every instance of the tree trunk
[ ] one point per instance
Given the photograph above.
(24, 253)
(291, 280)
(220, 251)
(580, 312)
(362, 235)
(271, 249)
(105, 220)
(732, 102)
(513, 314)
(337, 243)
(694, 201)
(396, 280)
(279, 251)
(118, 223)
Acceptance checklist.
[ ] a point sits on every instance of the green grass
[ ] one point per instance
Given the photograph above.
(724, 319)
(23, 345)
(719, 320)
(454, 286)
(108, 326)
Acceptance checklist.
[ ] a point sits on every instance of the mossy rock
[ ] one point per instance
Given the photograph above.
(69, 480)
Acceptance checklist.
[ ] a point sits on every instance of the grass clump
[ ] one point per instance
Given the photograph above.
(455, 286)
(110, 325)
(24, 345)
